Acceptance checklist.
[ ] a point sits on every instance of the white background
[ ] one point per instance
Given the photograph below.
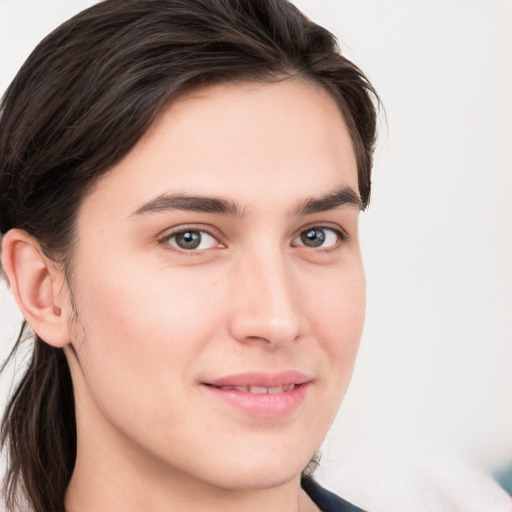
(436, 358)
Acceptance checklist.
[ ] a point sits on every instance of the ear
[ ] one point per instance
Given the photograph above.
(38, 286)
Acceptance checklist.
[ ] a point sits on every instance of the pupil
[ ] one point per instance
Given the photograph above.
(188, 239)
(313, 237)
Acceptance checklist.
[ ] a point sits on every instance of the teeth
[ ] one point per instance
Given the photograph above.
(260, 390)
(236, 388)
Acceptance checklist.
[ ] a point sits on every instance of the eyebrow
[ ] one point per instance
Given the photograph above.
(331, 201)
(203, 204)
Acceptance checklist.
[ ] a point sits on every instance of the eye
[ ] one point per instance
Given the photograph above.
(192, 240)
(319, 237)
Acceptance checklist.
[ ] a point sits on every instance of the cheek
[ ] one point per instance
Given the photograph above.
(141, 342)
(337, 318)
(336, 308)
(141, 326)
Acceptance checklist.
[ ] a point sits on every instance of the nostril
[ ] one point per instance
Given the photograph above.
(264, 308)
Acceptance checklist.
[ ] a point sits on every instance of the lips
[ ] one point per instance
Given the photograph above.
(262, 395)
(261, 379)
(260, 390)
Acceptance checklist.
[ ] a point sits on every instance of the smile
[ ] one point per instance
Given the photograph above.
(261, 395)
(260, 390)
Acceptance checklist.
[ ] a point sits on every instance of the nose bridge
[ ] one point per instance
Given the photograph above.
(265, 306)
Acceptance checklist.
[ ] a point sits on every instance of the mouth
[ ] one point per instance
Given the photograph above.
(261, 380)
(259, 394)
(260, 390)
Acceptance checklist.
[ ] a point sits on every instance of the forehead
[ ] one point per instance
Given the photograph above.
(252, 141)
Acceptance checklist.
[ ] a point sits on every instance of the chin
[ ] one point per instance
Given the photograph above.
(245, 476)
(255, 480)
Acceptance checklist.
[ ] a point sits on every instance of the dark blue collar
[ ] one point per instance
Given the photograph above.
(326, 500)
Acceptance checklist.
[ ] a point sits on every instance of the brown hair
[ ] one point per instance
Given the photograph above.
(83, 98)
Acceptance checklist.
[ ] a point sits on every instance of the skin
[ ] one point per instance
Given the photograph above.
(152, 321)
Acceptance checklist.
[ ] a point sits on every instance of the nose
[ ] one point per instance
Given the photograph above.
(266, 308)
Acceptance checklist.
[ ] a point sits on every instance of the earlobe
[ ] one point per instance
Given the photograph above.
(37, 285)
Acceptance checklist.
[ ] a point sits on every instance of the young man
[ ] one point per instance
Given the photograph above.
(181, 185)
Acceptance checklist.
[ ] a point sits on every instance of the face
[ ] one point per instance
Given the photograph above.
(219, 289)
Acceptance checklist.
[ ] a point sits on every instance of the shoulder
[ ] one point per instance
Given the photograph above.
(326, 500)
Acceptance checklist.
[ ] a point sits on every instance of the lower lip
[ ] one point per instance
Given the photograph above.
(264, 405)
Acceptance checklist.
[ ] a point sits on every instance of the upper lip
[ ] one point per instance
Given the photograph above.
(263, 379)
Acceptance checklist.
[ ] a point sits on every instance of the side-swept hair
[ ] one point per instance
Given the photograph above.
(81, 101)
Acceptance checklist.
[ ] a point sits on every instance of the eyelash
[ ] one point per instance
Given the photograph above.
(341, 235)
(164, 241)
